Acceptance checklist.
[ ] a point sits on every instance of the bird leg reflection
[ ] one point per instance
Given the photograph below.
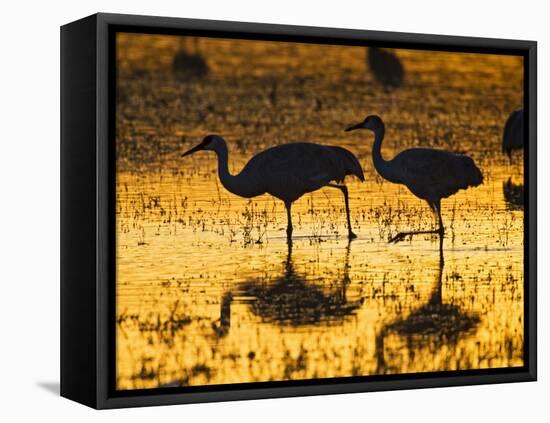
(345, 278)
(222, 326)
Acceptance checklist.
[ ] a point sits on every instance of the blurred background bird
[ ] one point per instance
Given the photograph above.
(188, 63)
(386, 67)
(512, 137)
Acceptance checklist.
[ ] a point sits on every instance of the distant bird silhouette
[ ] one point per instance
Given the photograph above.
(187, 65)
(429, 174)
(286, 172)
(512, 137)
(386, 67)
(514, 194)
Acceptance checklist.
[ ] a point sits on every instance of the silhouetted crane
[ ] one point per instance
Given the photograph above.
(286, 172)
(386, 67)
(512, 137)
(429, 174)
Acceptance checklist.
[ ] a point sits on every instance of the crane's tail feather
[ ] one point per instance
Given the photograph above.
(471, 175)
(352, 165)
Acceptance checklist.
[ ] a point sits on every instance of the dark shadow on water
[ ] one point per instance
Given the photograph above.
(51, 387)
(291, 299)
(514, 194)
(435, 325)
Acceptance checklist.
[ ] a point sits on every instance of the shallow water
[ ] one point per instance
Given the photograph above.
(208, 290)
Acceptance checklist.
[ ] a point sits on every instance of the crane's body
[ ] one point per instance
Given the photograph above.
(286, 172)
(428, 173)
(512, 137)
(291, 170)
(435, 174)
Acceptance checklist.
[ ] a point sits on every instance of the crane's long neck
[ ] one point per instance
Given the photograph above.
(236, 184)
(383, 167)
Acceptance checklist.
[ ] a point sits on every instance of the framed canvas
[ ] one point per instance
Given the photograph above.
(257, 211)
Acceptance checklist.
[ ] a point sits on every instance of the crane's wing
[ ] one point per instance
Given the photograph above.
(349, 162)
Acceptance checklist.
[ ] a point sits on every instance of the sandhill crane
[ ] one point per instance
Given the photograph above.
(512, 137)
(286, 172)
(386, 67)
(428, 173)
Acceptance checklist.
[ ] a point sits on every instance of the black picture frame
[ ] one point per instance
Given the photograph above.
(87, 211)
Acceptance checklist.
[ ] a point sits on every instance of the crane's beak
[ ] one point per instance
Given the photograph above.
(193, 150)
(353, 127)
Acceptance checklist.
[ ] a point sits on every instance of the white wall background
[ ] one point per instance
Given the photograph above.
(29, 208)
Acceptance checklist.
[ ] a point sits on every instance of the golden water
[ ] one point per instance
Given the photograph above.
(209, 292)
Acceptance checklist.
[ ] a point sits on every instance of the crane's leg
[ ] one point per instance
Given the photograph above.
(441, 227)
(344, 190)
(289, 228)
(441, 235)
(402, 235)
(441, 256)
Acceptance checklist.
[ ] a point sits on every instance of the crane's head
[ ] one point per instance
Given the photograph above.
(371, 122)
(209, 143)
